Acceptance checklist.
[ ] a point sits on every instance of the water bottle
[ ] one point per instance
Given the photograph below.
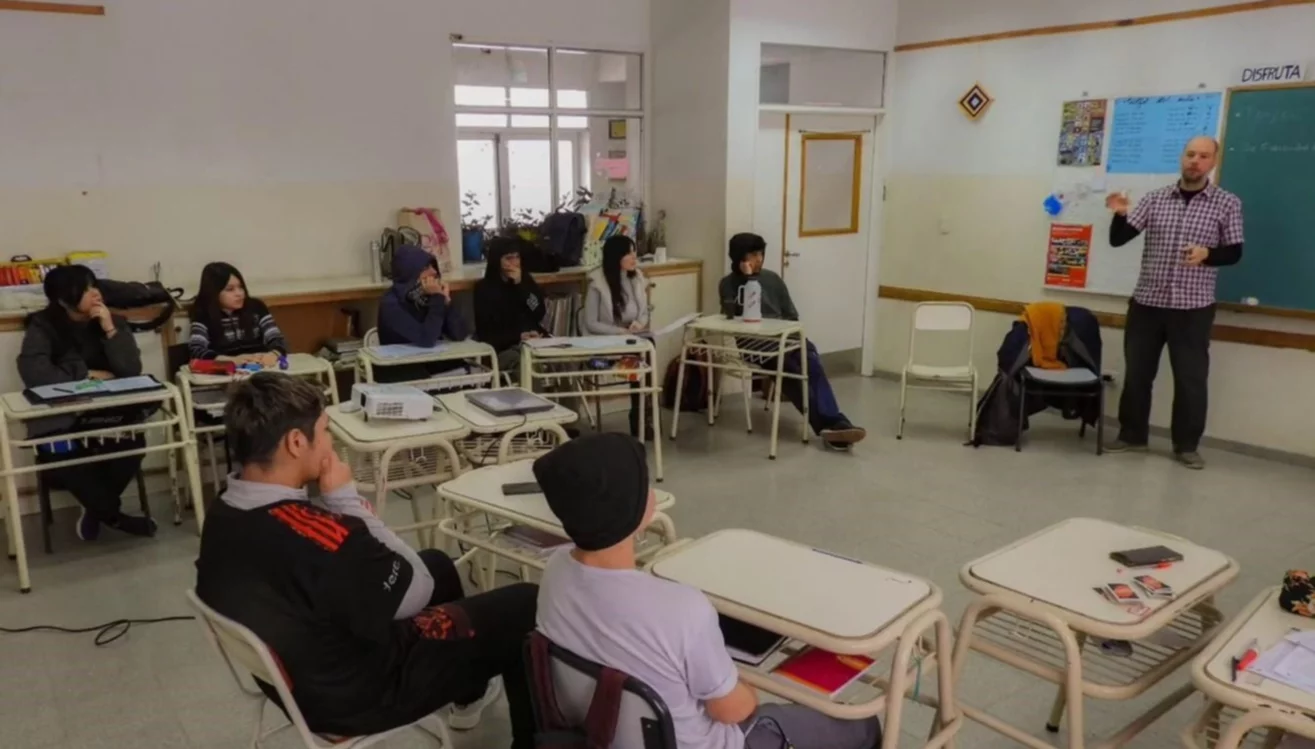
(376, 263)
(750, 298)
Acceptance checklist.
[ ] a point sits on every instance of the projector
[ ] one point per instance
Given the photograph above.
(399, 402)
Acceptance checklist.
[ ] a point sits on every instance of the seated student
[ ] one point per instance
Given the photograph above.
(370, 634)
(509, 305)
(617, 304)
(76, 338)
(595, 603)
(227, 324)
(417, 310)
(824, 416)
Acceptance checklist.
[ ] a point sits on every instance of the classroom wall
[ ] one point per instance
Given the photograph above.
(280, 136)
(966, 196)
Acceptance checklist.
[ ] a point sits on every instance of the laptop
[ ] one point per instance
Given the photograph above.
(511, 402)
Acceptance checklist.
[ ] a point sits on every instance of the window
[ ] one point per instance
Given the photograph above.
(510, 107)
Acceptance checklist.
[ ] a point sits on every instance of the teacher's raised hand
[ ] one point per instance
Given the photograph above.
(1117, 202)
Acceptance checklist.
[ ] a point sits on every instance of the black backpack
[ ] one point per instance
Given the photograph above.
(125, 295)
(694, 395)
(561, 235)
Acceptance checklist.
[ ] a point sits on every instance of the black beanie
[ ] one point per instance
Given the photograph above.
(742, 244)
(597, 486)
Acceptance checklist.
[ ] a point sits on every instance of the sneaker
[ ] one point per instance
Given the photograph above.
(840, 447)
(1119, 446)
(88, 527)
(843, 433)
(1191, 459)
(466, 717)
(134, 525)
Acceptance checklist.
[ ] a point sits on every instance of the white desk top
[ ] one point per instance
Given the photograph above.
(574, 347)
(1061, 564)
(483, 422)
(299, 365)
(445, 351)
(723, 324)
(1266, 623)
(821, 591)
(482, 488)
(441, 425)
(17, 406)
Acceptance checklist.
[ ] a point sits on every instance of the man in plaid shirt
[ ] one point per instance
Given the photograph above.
(1192, 228)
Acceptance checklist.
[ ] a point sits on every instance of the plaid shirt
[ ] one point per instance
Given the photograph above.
(1171, 224)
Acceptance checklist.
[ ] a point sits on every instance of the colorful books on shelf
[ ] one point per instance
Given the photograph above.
(824, 671)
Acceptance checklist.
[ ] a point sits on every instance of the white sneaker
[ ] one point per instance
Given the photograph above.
(466, 717)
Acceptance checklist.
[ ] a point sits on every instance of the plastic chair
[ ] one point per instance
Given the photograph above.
(242, 651)
(940, 317)
(564, 700)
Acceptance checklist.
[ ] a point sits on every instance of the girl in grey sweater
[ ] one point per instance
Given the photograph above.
(617, 304)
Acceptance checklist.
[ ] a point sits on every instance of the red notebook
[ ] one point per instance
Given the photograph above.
(823, 670)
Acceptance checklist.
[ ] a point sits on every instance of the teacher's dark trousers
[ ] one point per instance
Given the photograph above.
(1187, 333)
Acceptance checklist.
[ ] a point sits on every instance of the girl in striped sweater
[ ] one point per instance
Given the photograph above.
(230, 325)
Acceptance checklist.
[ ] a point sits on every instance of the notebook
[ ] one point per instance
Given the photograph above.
(824, 671)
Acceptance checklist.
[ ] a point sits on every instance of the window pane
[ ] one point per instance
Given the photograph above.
(574, 123)
(480, 96)
(793, 74)
(571, 98)
(529, 97)
(530, 176)
(477, 172)
(611, 153)
(566, 169)
(530, 120)
(609, 80)
(482, 120)
(501, 67)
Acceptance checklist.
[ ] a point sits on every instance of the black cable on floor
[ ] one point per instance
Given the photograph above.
(105, 633)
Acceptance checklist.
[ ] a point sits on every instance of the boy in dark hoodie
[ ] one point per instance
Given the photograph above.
(509, 305)
(418, 310)
(824, 416)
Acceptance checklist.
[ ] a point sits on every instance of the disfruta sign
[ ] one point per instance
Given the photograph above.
(1286, 72)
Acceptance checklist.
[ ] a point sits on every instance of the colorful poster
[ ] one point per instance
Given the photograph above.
(1148, 133)
(1069, 255)
(1082, 132)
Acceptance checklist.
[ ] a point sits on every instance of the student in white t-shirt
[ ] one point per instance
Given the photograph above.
(595, 603)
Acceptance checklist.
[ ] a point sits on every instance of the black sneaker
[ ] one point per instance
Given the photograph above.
(134, 525)
(88, 527)
(843, 433)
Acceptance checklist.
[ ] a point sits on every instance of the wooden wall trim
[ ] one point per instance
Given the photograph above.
(1227, 333)
(1075, 28)
(65, 8)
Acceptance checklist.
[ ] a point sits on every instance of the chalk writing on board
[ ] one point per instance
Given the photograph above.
(1148, 133)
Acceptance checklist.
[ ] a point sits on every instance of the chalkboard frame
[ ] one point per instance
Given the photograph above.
(1289, 312)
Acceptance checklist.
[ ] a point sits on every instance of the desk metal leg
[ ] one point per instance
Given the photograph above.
(657, 423)
(803, 384)
(776, 405)
(680, 388)
(191, 464)
(13, 516)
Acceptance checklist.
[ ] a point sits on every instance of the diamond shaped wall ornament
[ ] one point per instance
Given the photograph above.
(975, 102)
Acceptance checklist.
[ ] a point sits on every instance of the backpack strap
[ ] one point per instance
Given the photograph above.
(599, 729)
(605, 709)
(549, 713)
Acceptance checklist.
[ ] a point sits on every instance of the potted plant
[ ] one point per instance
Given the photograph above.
(524, 224)
(473, 228)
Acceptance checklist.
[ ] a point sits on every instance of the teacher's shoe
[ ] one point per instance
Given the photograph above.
(1191, 459)
(1119, 446)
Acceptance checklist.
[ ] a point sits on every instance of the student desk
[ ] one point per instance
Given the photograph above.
(212, 389)
(515, 437)
(831, 602)
(15, 409)
(592, 366)
(746, 350)
(371, 358)
(1036, 609)
(1250, 706)
(387, 455)
(480, 516)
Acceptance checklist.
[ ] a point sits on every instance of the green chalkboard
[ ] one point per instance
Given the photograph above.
(1269, 162)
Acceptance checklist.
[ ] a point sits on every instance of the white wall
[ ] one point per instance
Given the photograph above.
(929, 20)
(279, 136)
(966, 196)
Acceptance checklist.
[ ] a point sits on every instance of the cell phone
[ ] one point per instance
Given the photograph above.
(1146, 557)
(523, 487)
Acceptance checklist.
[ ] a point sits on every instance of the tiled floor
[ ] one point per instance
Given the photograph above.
(925, 505)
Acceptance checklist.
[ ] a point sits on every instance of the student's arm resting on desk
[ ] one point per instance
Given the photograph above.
(121, 350)
(598, 321)
(36, 360)
(345, 500)
(710, 673)
(270, 335)
(454, 323)
(426, 332)
(198, 342)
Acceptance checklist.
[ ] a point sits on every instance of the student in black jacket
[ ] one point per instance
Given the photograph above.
(509, 305)
(76, 338)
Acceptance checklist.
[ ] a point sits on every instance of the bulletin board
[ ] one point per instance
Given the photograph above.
(1137, 152)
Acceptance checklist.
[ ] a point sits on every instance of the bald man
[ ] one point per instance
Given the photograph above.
(1192, 228)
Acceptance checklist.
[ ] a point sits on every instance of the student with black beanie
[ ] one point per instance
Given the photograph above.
(509, 305)
(595, 603)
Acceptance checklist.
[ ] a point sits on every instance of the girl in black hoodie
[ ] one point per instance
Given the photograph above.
(509, 305)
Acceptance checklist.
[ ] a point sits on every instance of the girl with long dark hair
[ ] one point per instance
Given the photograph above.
(76, 338)
(617, 304)
(229, 324)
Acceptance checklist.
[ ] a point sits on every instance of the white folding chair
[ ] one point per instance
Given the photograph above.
(940, 318)
(371, 338)
(243, 651)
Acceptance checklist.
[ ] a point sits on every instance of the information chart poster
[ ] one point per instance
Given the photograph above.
(1082, 132)
(1148, 133)
(1068, 256)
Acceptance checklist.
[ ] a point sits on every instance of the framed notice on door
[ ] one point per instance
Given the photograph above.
(1068, 255)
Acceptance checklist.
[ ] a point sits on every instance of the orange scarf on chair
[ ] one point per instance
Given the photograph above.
(1045, 326)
